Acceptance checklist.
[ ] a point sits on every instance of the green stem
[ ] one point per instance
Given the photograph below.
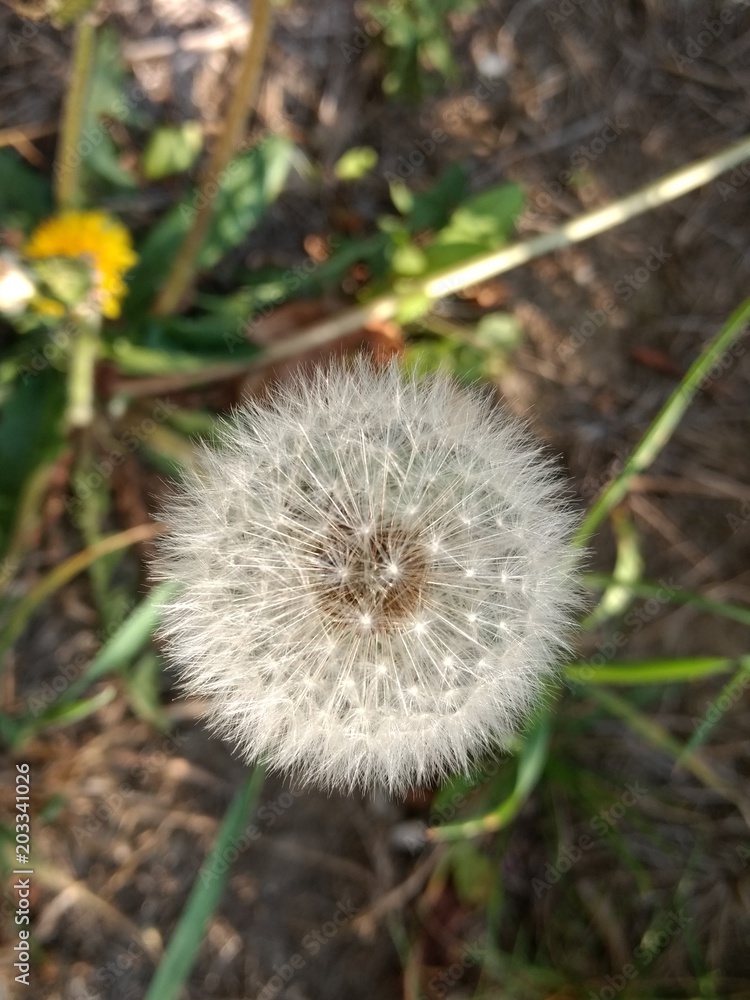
(600, 581)
(531, 762)
(244, 94)
(67, 190)
(82, 364)
(665, 423)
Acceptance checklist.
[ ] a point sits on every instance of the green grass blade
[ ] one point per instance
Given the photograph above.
(116, 653)
(184, 945)
(65, 713)
(669, 595)
(665, 422)
(618, 594)
(731, 693)
(674, 671)
(655, 734)
(127, 641)
(20, 613)
(531, 761)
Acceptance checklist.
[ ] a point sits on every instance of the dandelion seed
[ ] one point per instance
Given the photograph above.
(376, 578)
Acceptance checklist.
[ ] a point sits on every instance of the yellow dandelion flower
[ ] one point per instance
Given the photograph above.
(94, 238)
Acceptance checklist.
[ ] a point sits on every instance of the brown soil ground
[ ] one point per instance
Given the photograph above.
(619, 93)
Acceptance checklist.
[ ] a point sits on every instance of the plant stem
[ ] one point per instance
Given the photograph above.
(245, 92)
(451, 280)
(67, 192)
(82, 360)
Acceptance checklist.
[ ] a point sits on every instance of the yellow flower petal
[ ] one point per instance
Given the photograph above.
(95, 237)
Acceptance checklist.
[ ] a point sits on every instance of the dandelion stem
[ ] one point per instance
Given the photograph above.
(84, 349)
(451, 280)
(243, 97)
(67, 189)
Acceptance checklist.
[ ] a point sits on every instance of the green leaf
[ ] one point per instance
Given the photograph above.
(486, 221)
(499, 332)
(532, 759)
(408, 261)
(106, 101)
(135, 359)
(411, 307)
(25, 195)
(66, 712)
(183, 948)
(730, 695)
(250, 183)
(429, 355)
(170, 150)
(355, 163)
(31, 435)
(206, 335)
(432, 209)
(619, 595)
(401, 197)
(144, 691)
(661, 671)
(127, 641)
(665, 423)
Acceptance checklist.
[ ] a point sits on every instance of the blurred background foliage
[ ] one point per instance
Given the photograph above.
(168, 251)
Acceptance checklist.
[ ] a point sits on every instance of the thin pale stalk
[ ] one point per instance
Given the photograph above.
(451, 280)
(66, 571)
(67, 188)
(244, 94)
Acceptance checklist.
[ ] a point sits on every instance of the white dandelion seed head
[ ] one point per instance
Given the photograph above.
(376, 578)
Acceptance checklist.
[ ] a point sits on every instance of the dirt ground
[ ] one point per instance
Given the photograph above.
(579, 102)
